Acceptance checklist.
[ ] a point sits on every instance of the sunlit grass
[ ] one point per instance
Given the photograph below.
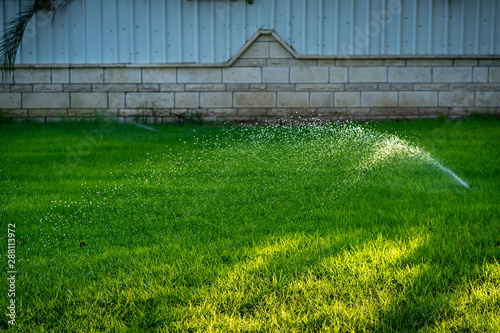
(274, 228)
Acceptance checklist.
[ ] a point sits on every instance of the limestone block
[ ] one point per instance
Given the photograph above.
(199, 75)
(10, 100)
(338, 74)
(386, 86)
(47, 87)
(242, 75)
(379, 98)
(14, 113)
(293, 99)
(361, 86)
(326, 62)
(8, 78)
(358, 111)
(488, 98)
(81, 112)
(116, 100)
(452, 74)
(257, 50)
(429, 62)
(347, 99)
(172, 87)
(237, 87)
(257, 87)
(309, 74)
(31, 75)
(206, 87)
(47, 112)
(46, 100)
(252, 112)
(432, 111)
(149, 99)
(266, 38)
(77, 87)
(216, 99)
(135, 112)
(275, 62)
(86, 75)
(465, 62)
(401, 86)
(494, 74)
(250, 62)
(60, 75)
(89, 100)
(359, 63)
(391, 111)
(187, 100)
(126, 87)
(394, 62)
(367, 74)
(280, 87)
(158, 75)
(276, 50)
(222, 112)
(410, 74)
(430, 86)
(279, 112)
(254, 99)
(275, 74)
(321, 99)
(331, 111)
(122, 75)
(319, 87)
(148, 87)
(417, 98)
(21, 88)
(456, 98)
(479, 74)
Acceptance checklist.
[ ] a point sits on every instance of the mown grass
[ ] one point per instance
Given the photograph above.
(195, 228)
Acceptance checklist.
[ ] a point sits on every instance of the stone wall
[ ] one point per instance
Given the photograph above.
(266, 80)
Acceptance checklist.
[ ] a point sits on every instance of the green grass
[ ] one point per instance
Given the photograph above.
(196, 229)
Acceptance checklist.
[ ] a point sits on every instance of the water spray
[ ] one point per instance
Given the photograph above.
(451, 173)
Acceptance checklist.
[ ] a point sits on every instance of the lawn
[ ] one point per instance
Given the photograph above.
(336, 228)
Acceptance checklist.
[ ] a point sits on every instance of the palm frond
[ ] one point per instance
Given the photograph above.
(14, 32)
(12, 38)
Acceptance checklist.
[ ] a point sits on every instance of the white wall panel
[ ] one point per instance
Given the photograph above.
(212, 31)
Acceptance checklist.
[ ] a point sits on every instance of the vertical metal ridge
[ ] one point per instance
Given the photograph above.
(367, 31)
(213, 19)
(383, 29)
(320, 26)
(289, 25)
(492, 27)
(337, 26)
(196, 31)
(446, 27)
(304, 25)
(478, 25)
(351, 12)
(462, 27)
(415, 28)
(430, 31)
(181, 53)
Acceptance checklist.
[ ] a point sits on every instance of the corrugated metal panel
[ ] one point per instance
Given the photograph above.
(212, 31)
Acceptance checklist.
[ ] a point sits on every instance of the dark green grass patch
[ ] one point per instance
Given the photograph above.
(309, 228)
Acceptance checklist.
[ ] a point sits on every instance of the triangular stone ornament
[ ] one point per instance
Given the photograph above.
(264, 44)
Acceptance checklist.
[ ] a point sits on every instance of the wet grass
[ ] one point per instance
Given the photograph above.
(311, 228)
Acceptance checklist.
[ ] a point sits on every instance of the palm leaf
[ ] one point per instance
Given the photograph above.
(13, 35)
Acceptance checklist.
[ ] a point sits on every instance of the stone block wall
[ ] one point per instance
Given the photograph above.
(266, 80)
